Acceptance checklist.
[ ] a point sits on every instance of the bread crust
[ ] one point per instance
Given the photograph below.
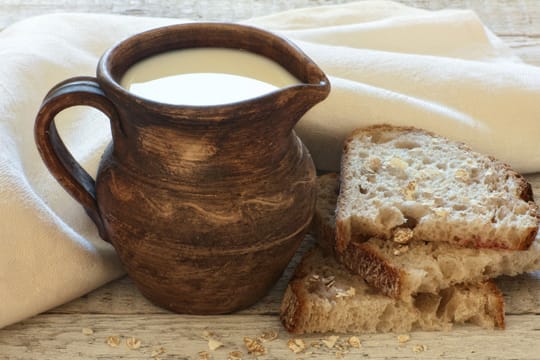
(363, 259)
(293, 307)
(497, 309)
(302, 313)
(382, 269)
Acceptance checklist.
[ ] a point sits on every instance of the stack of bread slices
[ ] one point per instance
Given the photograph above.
(410, 235)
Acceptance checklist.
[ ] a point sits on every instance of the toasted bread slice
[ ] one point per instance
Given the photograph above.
(400, 177)
(323, 296)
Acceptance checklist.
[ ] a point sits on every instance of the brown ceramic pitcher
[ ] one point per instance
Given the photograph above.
(205, 205)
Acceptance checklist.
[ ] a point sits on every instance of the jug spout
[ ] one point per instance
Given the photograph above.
(302, 98)
(313, 86)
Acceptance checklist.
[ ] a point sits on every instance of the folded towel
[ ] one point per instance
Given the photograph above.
(443, 71)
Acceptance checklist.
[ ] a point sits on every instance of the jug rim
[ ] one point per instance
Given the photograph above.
(119, 58)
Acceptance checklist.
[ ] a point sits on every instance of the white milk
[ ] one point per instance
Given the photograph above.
(205, 76)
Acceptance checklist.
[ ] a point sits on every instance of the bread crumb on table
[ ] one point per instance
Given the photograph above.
(419, 348)
(268, 335)
(133, 343)
(296, 345)
(235, 355)
(354, 341)
(113, 340)
(330, 341)
(402, 339)
(254, 346)
(214, 344)
(87, 331)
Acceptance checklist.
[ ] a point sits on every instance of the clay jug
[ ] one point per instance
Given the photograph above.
(205, 205)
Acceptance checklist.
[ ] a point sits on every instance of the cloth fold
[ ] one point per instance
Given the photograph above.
(442, 71)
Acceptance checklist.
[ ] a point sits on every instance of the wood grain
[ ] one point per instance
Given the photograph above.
(183, 337)
(118, 308)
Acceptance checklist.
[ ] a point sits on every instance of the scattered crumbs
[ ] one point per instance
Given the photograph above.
(296, 345)
(419, 348)
(269, 335)
(214, 344)
(235, 355)
(402, 339)
(354, 341)
(133, 343)
(87, 331)
(157, 352)
(204, 355)
(339, 355)
(330, 341)
(254, 346)
(315, 344)
(113, 340)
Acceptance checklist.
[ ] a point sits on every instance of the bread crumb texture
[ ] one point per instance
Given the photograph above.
(311, 306)
(441, 190)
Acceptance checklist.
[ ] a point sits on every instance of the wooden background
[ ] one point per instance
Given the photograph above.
(118, 309)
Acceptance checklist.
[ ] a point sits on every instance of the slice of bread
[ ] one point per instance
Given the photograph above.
(397, 180)
(324, 296)
(400, 270)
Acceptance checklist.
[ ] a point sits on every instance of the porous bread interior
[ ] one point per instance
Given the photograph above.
(425, 267)
(431, 266)
(393, 177)
(324, 297)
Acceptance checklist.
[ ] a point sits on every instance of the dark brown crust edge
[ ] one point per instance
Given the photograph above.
(525, 193)
(498, 308)
(293, 307)
(364, 260)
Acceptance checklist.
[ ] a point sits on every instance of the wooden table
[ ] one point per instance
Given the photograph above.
(81, 328)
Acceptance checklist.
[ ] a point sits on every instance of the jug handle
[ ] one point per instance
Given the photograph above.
(68, 172)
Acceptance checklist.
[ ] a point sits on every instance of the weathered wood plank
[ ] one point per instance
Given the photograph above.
(183, 337)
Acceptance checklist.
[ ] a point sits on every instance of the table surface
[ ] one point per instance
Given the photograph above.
(80, 329)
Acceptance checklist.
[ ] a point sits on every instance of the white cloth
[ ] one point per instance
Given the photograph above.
(443, 71)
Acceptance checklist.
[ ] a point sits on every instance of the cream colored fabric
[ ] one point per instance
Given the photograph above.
(387, 63)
